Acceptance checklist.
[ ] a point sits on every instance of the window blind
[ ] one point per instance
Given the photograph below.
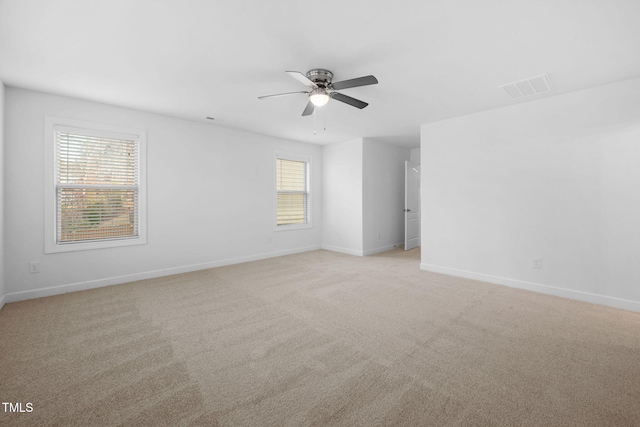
(292, 192)
(97, 187)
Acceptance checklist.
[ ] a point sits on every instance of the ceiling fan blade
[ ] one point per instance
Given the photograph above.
(360, 81)
(302, 79)
(348, 100)
(280, 94)
(308, 110)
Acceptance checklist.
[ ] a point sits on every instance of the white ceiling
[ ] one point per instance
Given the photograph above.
(434, 59)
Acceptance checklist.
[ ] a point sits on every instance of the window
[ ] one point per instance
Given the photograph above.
(292, 192)
(95, 196)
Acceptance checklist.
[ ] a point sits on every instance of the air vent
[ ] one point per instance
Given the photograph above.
(527, 87)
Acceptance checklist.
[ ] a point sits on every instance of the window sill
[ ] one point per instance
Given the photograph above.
(85, 246)
(292, 227)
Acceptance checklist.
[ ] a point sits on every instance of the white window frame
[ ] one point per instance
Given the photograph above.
(50, 180)
(300, 158)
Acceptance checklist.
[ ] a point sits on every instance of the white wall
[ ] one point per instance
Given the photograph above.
(556, 179)
(383, 196)
(210, 199)
(2, 172)
(414, 155)
(342, 197)
(363, 196)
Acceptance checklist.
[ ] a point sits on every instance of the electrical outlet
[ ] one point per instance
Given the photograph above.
(379, 236)
(537, 263)
(34, 267)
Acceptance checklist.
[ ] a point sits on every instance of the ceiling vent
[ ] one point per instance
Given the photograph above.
(527, 87)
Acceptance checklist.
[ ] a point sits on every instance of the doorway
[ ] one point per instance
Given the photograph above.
(411, 205)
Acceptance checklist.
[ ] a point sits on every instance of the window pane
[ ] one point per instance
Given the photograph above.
(84, 159)
(292, 208)
(96, 214)
(292, 194)
(292, 175)
(97, 187)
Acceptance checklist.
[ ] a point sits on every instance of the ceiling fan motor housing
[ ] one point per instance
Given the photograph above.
(320, 76)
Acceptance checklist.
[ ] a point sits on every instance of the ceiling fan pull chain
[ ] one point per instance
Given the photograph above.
(324, 118)
(314, 121)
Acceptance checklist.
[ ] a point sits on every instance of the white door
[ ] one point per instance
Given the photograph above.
(411, 205)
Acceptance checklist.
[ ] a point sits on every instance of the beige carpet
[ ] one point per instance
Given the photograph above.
(318, 339)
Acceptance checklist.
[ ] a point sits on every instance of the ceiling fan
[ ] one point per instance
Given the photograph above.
(321, 88)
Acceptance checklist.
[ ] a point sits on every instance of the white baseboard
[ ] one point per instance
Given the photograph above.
(537, 287)
(361, 253)
(117, 280)
(343, 250)
(383, 249)
(2, 301)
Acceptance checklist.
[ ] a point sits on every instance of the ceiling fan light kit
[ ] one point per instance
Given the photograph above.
(319, 97)
(321, 88)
